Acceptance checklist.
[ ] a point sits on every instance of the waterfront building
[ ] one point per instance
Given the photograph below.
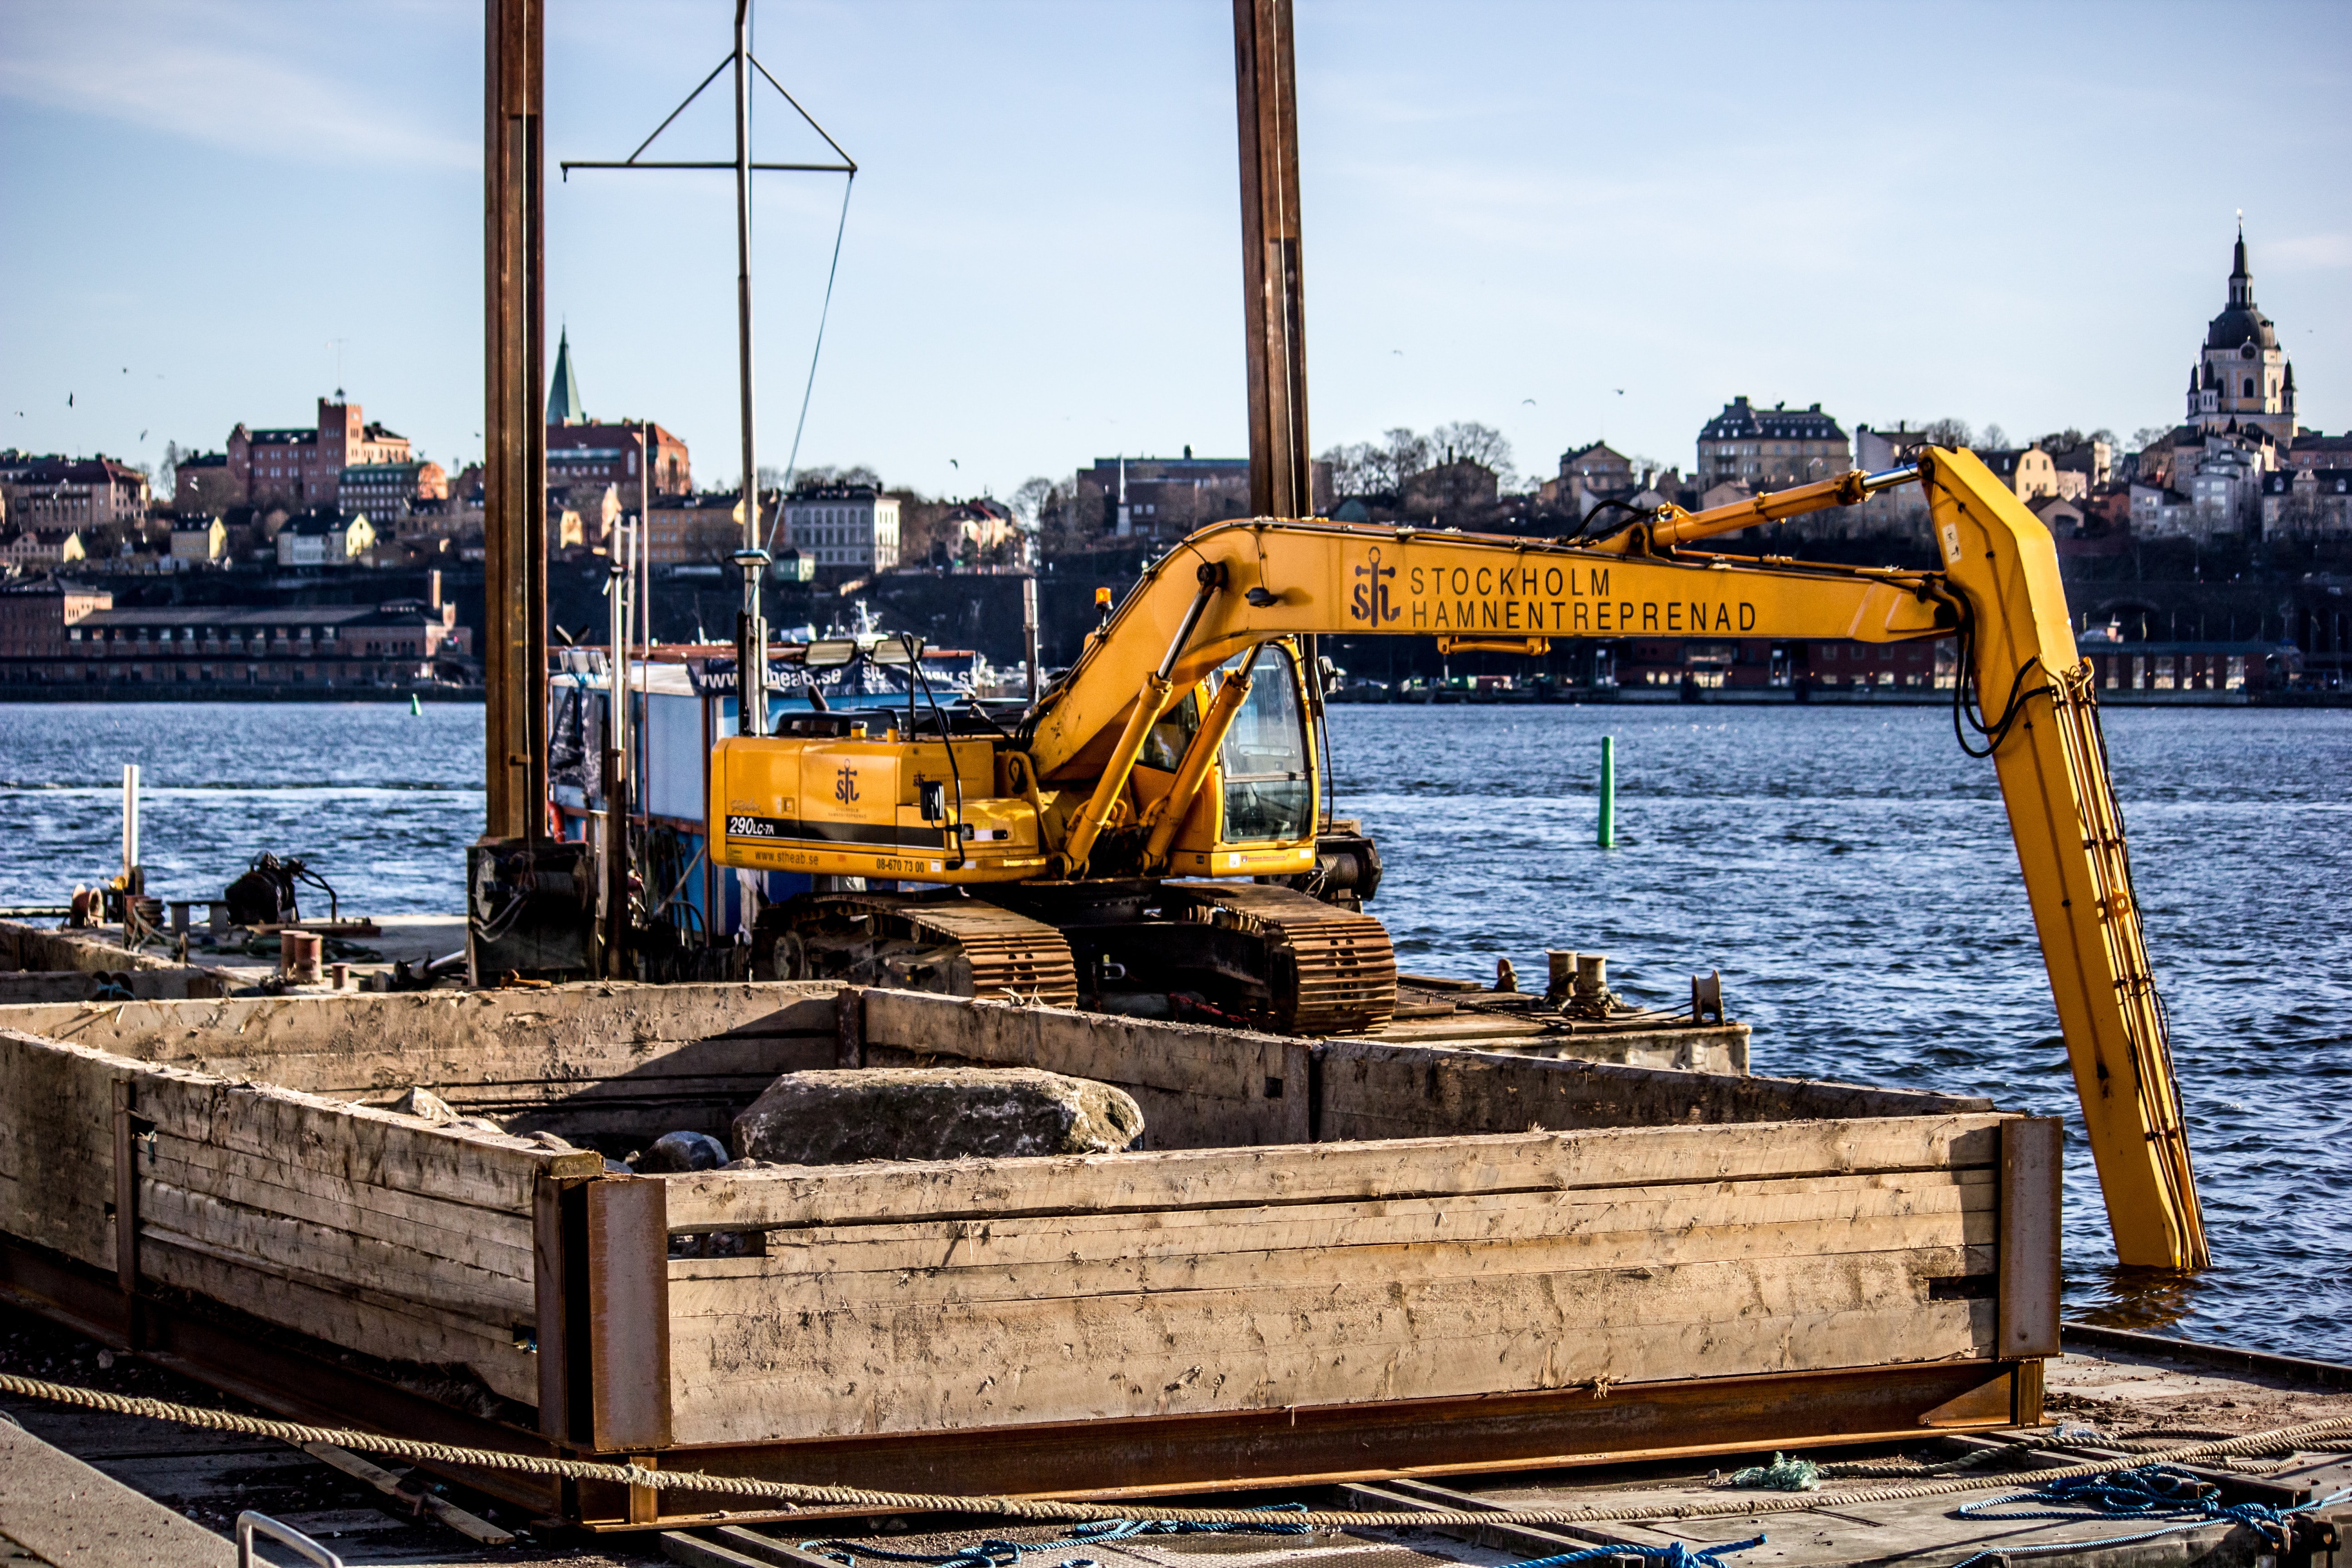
(2313, 450)
(389, 491)
(397, 643)
(26, 547)
(35, 613)
(326, 537)
(705, 528)
(199, 541)
(1590, 475)
(305, 468)
(2307, 503)
(1771, 449)
(855, 527)
(76, 493)
(2029, 471)
(2242, 379)
(978, 535)
(1168, 497)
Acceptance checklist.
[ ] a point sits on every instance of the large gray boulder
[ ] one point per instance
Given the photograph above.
(933, 1113)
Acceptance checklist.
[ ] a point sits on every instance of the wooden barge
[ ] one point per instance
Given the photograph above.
(1334, 1259)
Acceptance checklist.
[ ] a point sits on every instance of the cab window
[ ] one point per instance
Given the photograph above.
(1164, 747)
(1268, 795)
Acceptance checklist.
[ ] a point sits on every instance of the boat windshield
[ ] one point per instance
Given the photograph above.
(1268, 795)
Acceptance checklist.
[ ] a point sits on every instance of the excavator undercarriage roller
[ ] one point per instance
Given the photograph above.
(963, 948)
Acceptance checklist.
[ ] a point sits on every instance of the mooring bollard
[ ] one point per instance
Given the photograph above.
(1608, 792)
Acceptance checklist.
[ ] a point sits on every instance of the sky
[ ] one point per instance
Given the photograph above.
(1570, 222)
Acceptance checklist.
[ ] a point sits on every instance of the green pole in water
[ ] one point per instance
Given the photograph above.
(414, 707)
(1608, 792)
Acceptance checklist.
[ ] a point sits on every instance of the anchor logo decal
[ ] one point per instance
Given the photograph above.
(845, 788)
(1371, 600)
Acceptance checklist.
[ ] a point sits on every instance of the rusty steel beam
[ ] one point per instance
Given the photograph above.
(1273, 285)
(514, 458)
(1320, 1445)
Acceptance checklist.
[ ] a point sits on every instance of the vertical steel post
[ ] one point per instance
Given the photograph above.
(1608, 836)
(514, 651)
(614, 784)
(131, 827)
(1273, 286)
(1029, 631)
(751, 628)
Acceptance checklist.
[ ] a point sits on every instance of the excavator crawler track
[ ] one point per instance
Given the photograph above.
(1009, 955)
(1342, 978)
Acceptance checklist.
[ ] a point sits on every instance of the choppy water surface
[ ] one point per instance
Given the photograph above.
(1849, 870)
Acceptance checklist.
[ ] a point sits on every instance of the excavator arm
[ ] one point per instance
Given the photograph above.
(1232, 587)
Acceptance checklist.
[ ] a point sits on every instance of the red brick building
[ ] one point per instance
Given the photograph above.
(33, 615)
(603, 453)
(305, 468)
(73, 493)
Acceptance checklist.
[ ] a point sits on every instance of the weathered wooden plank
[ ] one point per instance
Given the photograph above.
(359, 1144)
(353, 1318)
(495, 1300)
(1966, 1238)
(1216, 1178)
(2032, 1163)
(1514, 1232)
(56, 1148)
(485, 1238)
(948, 1365)
(353, 1044)
(1376, 1091)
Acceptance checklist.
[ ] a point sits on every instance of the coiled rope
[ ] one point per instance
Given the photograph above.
(793, 1494)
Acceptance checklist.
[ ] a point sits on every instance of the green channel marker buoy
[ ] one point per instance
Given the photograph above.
(414, 707)
(1608, 792)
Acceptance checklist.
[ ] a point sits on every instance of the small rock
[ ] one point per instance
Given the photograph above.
(424, 1102)
(550, 1141)
(832, 1118)
(677, 1151)
(106, 1361)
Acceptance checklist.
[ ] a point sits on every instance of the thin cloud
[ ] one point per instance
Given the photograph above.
(2309, 253)
(229, 78)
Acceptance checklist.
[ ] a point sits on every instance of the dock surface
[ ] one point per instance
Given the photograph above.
(88, 1489)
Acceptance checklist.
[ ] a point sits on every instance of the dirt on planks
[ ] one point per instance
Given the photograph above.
(2121, 1393)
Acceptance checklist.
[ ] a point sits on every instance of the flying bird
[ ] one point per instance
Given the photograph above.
(953, 464)
(143, 435)
(1528, 402)
(69, 400)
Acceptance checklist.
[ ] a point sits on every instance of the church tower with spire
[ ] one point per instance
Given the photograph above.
(2242, 381)
(564, 392)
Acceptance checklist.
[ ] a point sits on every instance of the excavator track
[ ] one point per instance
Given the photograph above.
(1342, 977)
(1009, 955)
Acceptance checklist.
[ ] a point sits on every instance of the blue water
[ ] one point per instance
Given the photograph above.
(1848, 869)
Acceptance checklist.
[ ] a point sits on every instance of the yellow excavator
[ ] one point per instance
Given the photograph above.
(1149, 828)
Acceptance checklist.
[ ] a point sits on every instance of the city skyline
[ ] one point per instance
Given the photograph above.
(1041, 268)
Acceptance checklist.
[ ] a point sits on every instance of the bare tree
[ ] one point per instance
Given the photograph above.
(1947, 432)
(1994, 439)
(1471, 442)
(1031, 497)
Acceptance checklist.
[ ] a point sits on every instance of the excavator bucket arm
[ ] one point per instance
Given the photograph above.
(2040, 721)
